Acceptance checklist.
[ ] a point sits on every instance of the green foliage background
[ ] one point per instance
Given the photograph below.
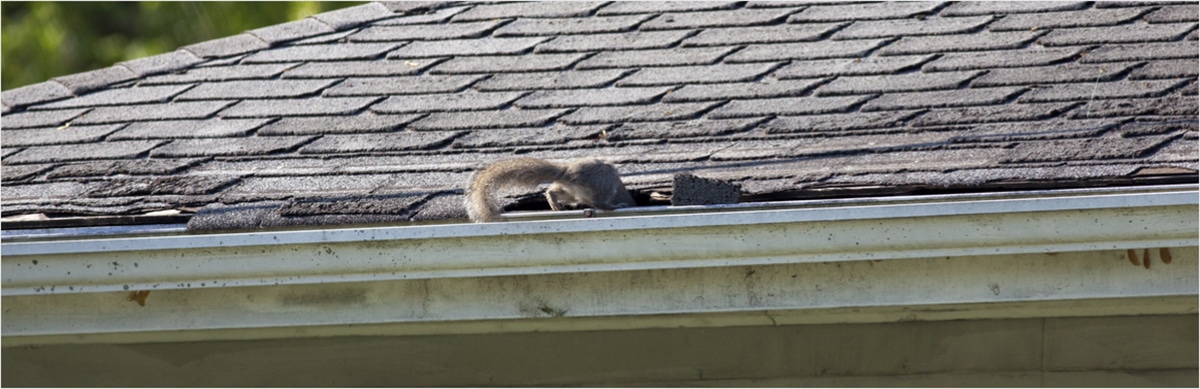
(42, 40)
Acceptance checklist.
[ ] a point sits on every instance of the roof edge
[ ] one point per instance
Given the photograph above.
(735, 238)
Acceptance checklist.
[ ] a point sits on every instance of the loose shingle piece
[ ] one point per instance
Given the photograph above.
(380, 113)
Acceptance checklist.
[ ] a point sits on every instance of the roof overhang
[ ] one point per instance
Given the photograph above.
(1037, 254)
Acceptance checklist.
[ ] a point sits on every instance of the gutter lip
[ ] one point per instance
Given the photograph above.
(660, 218)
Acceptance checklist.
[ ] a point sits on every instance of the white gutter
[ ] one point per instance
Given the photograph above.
(465, 273)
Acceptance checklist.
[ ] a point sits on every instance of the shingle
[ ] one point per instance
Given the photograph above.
(644, 7)
(976, 8)
(291, 31)
(162, 63)
(1082, 149)
(271, 167)
(425, 182)
(910, 82)
(1041, 21)
(35, 93)
(840, 145)
(805, 50)
(18, 173)
(255, 89)
(80, 83)
(817, 124)
(339, 36)
(338, 52)
(1001, 59)
(465, 101)
(82, 152)
(942, 99)
(370, 143)
(636, 113)
(1040, 130)
(443, 206)
(1148, 51)
(352, 16)
(1157, 126)
(1164, 106)
(212, 128)
(990, 114)
(220, 73)
(724, 18)
(1173, 14)
(377, 68)
(558, 134)
(45, 191)
(137, 167)
(54, 136)
(590, 97)
(852, 67)
(423, 32)
(777, 88)
(466, 47)
(430, 17)
(1053, 74)
(507, 118)
(552, 9)
(219, 216)
(1103, 90)
(643, 58)
(697, 74)
(1129, 33)
(363, 123)
(298, 107)
(911, 27)
(682, 129)
(973, 42)
(786, 106)
(1135, 3)
(261, 188)
(379, 86)
(864, 11)
(507, 64)
(1189, 90)
(569, 79)
(566, 26)
(223, 47)
(40, 118)
(806, 32)
(355, 205)
(168, 185)
(121, 96)
(1167, 69)
(639, 40)
(132, 113)
(226, 61)
(248, 146)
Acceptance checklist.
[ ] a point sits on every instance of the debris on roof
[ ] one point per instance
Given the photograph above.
(379, 113)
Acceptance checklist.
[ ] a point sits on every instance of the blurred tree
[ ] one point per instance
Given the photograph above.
(42, 40)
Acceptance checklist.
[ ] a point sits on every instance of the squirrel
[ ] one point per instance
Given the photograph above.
(586, 182)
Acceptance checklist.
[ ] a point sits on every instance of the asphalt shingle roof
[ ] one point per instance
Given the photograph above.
(380, 112)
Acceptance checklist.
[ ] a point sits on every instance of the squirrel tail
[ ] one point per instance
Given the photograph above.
(518, 172)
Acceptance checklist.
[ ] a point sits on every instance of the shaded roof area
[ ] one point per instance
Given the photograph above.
(380, 113)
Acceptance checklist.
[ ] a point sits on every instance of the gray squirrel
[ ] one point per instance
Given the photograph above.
(586, 182)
